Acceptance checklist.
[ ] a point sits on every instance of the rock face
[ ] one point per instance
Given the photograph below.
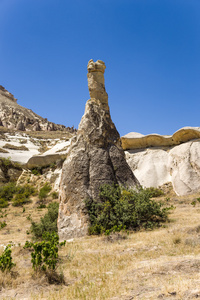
(95, 158)
(157, 165)
(14, 116)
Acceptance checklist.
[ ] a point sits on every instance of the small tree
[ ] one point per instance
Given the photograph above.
(6, 263)
(45, 256)
(48, 223)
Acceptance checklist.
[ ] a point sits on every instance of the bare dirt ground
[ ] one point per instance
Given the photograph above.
(159, 264)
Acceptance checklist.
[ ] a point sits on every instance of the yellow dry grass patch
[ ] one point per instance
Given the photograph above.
(159, 264)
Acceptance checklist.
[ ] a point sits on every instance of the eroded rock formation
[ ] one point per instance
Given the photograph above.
(95, 158)
(16, 117)
(134, 140)
(157, 160)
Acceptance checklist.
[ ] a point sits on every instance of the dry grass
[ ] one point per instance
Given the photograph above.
(159, 264)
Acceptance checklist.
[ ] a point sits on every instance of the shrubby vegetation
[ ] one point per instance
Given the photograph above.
(48, 223)
(121, 208)
(22, 194)
(44, 191)
(45, 256)
(54, 195)
(17, 193)
(6, 193)
(6, 263)
(6, 163)
(2, 224)
(154, 192)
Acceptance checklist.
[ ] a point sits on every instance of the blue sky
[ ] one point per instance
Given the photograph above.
(151, 49)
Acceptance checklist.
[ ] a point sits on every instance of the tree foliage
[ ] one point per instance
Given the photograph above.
(6, 263)
(48, 223)
(121, 208)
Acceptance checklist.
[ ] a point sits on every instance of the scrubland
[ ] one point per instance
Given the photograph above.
(160, 264)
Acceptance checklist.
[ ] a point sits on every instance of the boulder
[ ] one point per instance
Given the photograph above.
(95, 158)
(14, 174)
(42, 160)
(179, 165)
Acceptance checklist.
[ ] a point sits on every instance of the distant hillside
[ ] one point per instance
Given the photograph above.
(14, 116)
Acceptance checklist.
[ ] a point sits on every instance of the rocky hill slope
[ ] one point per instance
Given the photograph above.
(14, 116)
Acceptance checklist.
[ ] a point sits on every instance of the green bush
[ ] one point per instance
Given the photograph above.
(19, 194)
(7, 191)
(45, 254)
(44, 191)
(26, 189)
(6, 263)
(54, 195)
(20, 200)
(22, 195)
(41, 205)
(35, 171)
(3, 224)
(48, 223)
(121, 208)
(3, 203)
(154, 192)
(6, 162)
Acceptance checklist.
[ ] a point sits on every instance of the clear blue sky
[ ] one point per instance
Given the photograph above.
(151, 49)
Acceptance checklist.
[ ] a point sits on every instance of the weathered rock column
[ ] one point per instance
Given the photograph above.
(95, 158)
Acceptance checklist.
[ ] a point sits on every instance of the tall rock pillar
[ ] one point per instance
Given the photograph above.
(95, 158)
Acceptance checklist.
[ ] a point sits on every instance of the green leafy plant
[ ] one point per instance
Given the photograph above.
(6, 263)
(41, 205)
(3, 203)
(54, 195)
(6, 162)
(193, 203)
(45, 253)
(19, 194)
(44, 191)
(3, 224)
(22, 195)
(7, 191)
(120, 208)
(35, 171)
(3, 214)
(154, 192)
(48, 223)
